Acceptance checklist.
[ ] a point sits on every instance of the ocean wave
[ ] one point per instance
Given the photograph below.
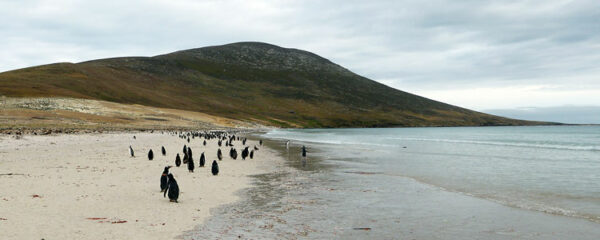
(510, 144)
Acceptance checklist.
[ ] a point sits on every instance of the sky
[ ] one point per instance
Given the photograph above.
(482, 55)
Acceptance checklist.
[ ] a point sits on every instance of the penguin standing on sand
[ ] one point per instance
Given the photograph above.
(190, 161)
(164, 180)
(215, 168)
(150, 155)
(219, 154)
(233, 153)
(172, 189)
(244, 141)
(177, 160)
(202, 160)
(164, 152)
(245, 153)
(184, 149)
(255, 148)
(252, 154)
(260, 142)
(131, 151)
(220, 142)
(204, 143)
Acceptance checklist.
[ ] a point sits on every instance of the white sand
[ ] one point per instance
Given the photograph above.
(92, 176)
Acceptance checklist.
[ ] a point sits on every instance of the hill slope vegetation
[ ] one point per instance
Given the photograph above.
(246, 81)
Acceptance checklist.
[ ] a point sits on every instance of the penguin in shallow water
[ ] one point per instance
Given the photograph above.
(164, 181)
(252, 154)
(131, 151)
(150, 155)
(172, 189)
(202, 160)
(177, 160)
(164, 152)
(245, 153)
(303, 151)
(215, 168)
(219, 154)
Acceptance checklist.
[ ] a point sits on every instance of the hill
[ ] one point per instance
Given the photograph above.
(247, 81)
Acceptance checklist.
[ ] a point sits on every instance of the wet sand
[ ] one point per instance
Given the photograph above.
(86, 186)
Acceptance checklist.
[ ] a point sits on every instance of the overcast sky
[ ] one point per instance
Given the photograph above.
(476, 54)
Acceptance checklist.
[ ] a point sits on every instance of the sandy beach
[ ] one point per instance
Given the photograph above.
(86, 186)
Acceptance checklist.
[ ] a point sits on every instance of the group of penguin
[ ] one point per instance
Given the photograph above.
(168, 184)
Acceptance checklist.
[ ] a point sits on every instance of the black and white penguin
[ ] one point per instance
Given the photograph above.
(188, 139)
(150, 155)
(233, 153)
(131, 151)
(255, 148)
(202, 160)
(219, 154)
(164, 152)
(244, 141)
(220, 142)
(215, 168)
(134, 137)
(245, 153)
(164, 180)
(190, 163)
(172, 189)
(184, 149)
(177, 160)
(260, 142)
(252, 154)
(204, 143)
(303, 151)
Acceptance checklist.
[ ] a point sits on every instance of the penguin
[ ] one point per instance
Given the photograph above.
(220, 142)
(164, 181)
(215, 168)
(244, 141)
(252, 154)
(190, 164)
(185, 158)
(287, 144)
(189, 152)
(245, 153)
(234, 153)
(202, 160)
(172, 189)
(219, 154)
(204, 143)
(150, 155)
(131, 151)
(164, 152)
(134, 137)
(260, 142)
(188, 139)
(184, 148)
(303, 151)
(255, 148)
(177, 160)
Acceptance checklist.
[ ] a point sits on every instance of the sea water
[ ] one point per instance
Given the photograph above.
(538, 182)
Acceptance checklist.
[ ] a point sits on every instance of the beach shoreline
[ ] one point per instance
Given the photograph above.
(86, 186)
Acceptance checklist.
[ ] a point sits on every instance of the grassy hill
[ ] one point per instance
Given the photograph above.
(245, 81)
